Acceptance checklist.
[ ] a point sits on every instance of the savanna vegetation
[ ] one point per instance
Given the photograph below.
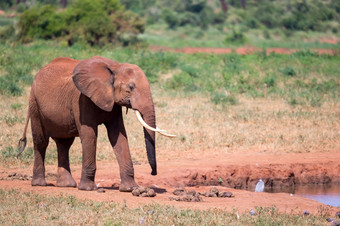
(33, 209)
(264, 102)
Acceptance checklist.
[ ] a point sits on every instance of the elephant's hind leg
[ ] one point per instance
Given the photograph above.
(40, 141)
(64, 178)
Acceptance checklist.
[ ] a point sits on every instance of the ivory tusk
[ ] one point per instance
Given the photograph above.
(162, 132)
(140, 119)
(166, 134)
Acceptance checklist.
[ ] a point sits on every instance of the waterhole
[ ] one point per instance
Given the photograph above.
(328, 194)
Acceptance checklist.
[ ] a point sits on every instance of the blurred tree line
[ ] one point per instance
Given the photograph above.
(303, 15)
(98, 22)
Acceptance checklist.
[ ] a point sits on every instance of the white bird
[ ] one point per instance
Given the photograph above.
(259, 186)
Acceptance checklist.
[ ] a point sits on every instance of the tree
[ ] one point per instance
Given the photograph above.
(224, 5)
(63, 3)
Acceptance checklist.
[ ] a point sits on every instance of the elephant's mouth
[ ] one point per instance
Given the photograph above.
(144, 124)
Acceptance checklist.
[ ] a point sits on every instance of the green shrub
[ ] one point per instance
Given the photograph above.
(94, 22)
(287, 70)
(218, 97)
(269, 80)
(182, 81)
(7, 33)
(170, 18)
(9, 86)
(236, 37)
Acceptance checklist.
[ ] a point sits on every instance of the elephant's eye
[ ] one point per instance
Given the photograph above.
(131, 86)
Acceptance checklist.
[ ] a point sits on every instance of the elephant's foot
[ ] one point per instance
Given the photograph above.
(87, 185)
(65, 178)
(39, 181)
(128, 186)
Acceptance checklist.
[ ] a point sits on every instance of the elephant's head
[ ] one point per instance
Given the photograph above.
(107, 83)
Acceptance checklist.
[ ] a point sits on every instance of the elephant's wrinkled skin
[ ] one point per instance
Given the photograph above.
(71, 98)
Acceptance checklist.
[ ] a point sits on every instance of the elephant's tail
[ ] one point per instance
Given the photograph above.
(22, 142)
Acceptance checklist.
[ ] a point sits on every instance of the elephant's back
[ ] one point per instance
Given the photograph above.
(61, 67)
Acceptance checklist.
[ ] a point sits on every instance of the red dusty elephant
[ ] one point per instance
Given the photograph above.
(70, 98)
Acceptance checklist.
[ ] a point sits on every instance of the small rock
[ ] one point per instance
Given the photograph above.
(144, 195)
(214, 190)
(175, 198)
(179, 191)
(151, 193)
(335, 223)
(144, 192)
(252, 212)
(226, 194)
(196, 199)
(101, 190)
(142, 220)
(306, 213)
(12, 174)
(209, 194)
(191, 192)
(41, 205)
(142, 189)
(337, 214)
(135, 192)
(151, 212)
(187, 198)
(330, 219)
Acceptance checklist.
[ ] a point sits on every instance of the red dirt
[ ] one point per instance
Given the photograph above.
(199, 173)
(241, 50)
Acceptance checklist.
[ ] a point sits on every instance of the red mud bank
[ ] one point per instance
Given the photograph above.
(241, 50)
(278, 177)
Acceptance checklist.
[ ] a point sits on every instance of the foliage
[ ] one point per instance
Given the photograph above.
(94, 22)
(236, 37)
(303, 78)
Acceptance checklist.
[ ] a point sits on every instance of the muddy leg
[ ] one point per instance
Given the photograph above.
(40, 141)
(64, 178)
(89, 143)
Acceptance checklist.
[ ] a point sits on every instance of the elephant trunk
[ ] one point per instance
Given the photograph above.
(149, 117)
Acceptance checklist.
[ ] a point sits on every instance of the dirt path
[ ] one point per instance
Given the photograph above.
(193, 173)
(240, 50)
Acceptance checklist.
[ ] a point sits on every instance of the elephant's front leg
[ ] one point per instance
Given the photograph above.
(119, 142)
(88, 136)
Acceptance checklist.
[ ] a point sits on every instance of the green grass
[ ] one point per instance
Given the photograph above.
(189, 36)
(303, 78)
(24, 208)
(4, 20)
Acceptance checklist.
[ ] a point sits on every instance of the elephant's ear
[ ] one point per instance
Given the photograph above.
(94, 78)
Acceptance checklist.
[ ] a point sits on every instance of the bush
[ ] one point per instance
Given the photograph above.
(182, 81)
(86, 21)
(222, 98)
(269, 80)
(170, 18)
(289, 71)
(236, 37)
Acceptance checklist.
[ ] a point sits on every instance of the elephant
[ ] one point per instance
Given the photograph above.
(69, 98)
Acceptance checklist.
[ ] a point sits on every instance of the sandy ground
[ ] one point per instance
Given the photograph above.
(199, 173)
